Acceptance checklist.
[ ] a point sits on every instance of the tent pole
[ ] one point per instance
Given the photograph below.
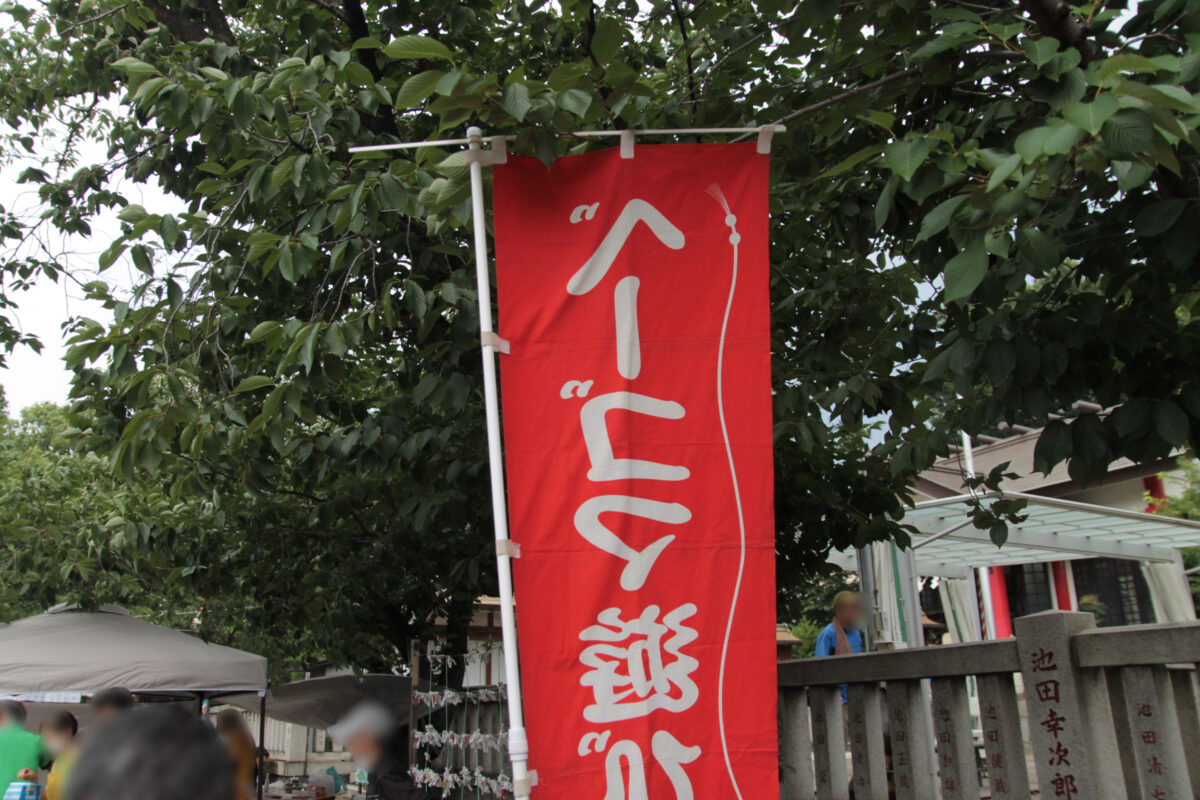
(262, 743)
(518, 745)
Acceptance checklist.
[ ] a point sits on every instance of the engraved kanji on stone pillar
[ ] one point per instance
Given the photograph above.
(955, 742)
(869, 775)
(1157, 743)
(909, 726)
(796, 750)
(829, 743)
(1058, 717)
(1000, 719)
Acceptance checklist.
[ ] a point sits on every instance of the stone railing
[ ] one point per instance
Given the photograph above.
(1083, 713)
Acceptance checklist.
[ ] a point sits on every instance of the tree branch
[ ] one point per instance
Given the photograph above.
(331, 7)
(846, 95)
(217, 22)
(687, 50)
(187, 29)
(356, 21)
(872, 86)
(180, 25)
(589, 33)
(110, 12)
(1054, 18)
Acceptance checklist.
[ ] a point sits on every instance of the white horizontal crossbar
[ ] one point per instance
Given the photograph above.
(679, 131)
(1077, 544)
(941, 569)
(1087, 509)
(1052, 529)
(377, 148)
(1059, 526)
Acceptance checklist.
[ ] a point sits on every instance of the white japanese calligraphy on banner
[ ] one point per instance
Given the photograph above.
(636, 394)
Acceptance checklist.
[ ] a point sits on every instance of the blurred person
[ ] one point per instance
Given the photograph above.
(842, 636)
(152, 753)
(110, 702)
(59, 739)
(21, 752)
(239, 742)
(373, 738)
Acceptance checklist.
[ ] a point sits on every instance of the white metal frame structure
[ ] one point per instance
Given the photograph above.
(1054, 530)
(948, 545)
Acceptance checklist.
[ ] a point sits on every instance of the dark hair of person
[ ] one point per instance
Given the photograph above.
(115, 699)
(63, 722)
(13, 710)
(153, 753)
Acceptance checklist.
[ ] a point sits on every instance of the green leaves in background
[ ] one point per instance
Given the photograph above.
(1091, 116)
(905, 157)
(416, 47)
(977, 217)
(965, 271)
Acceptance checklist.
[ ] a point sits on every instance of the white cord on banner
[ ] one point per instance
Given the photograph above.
(735, 239)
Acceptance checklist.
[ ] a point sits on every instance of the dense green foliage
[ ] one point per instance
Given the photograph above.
(48, 494)
(302, 353)
(1186, 505)
(52, 495)
(73, 532)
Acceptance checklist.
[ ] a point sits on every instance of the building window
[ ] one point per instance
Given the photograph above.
(1114, 590)
(1028, 589)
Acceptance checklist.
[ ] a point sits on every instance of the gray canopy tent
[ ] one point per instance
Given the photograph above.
(69, 650)
(321, 702)
(948, 545)
(67, 653)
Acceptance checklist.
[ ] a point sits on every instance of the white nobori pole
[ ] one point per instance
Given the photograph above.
(518, 746)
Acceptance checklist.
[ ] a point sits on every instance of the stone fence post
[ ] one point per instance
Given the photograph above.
(1070, 717)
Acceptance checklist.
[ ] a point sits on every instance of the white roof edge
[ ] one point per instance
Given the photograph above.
(1033, 546)
(1057, 502)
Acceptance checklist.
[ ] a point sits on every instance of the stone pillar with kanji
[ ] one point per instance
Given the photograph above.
(1067, 767)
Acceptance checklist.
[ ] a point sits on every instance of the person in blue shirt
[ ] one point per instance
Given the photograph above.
(842, 636)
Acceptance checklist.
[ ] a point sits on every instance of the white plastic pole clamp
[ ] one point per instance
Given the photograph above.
(499, 149)
(525, 785)
(626, 144)
(490, 338)
(765, 134)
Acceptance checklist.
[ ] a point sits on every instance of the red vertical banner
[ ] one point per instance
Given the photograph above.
(637, 427)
